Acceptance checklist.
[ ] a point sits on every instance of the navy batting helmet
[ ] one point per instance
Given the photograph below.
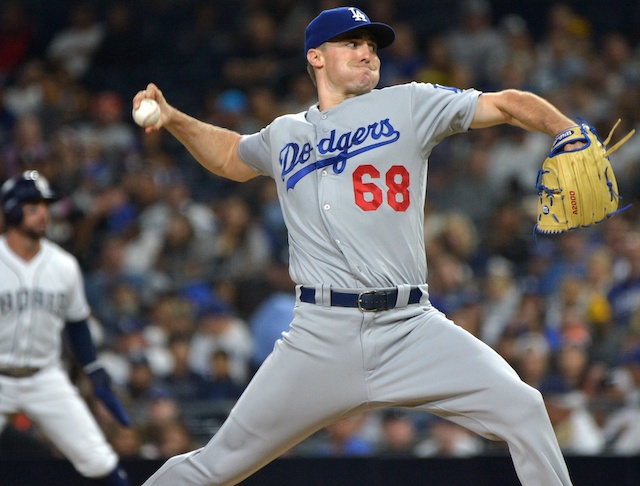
(29, 186)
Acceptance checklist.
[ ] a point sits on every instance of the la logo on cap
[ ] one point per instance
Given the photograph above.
(358, 15)
(331, 23)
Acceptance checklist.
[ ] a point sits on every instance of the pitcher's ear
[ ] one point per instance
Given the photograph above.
(314, 57)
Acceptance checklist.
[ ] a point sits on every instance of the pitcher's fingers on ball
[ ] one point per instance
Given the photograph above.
(147, 114)
(139, 96)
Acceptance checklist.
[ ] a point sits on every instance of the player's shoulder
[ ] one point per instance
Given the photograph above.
(54, 250)
(433, 94)
(410, 91)
(286, 121)
(432, 88)
(293, 117)
(4, 246)
(390, 91)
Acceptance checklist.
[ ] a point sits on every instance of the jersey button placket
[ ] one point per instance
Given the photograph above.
(325, 183)
(326, 206)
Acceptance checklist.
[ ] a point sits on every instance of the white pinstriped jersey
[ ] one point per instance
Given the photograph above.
(36, 298)
(352, 181)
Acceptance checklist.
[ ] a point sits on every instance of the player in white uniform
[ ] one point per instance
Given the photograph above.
(42, 295)
(351, 175)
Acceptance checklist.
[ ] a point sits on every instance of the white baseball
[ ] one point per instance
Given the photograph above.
(147, 114)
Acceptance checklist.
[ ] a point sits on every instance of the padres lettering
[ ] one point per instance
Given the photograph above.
(292, 155)
(35, 299)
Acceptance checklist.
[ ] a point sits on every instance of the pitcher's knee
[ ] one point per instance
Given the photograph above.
(525, 403)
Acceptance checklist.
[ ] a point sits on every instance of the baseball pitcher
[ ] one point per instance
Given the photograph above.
(351, 174)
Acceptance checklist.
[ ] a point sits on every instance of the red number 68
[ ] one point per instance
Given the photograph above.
(369, 196)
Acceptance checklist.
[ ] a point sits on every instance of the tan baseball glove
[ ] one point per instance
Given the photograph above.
(577, 188)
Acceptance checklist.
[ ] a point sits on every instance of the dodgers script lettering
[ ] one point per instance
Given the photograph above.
(294, 159)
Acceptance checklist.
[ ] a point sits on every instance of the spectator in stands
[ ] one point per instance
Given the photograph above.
(241, 248)
(127, 442)
(502, 296)
(229, 107)
(177, 197)
(625, 294)
(268, 322)
(520, 60)
(263, 104)
(182, 383)
(299, 95)
(477, 44)
(568, 305)
(514, 160)
(23, 96)
(218, 328)
(346, 438)
(576, 429)
(403, 58)
(171, 314)
(27, 148)
(608, 339)
(109, 128)
(513, 242)
(259, 59)
(622, 426)
(57, 108)
(184, 256)
(145, 389)
(560, 59)
(125, 348)
(399, 434)
(203, 43)
(529, 316)
(174, 438)
(144, 186)
(73, 46)
(468, 193)
(219, 384)
(161, 425)
(449, 277)
(533, 358)
(439, 66)
(448, 439)
(571, 361)
(16, 37)
(110, 272)
(120, 55)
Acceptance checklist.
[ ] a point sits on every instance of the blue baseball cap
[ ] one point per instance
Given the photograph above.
(337, 21)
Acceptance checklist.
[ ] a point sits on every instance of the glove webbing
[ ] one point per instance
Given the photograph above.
(608, 152)
(619, 144)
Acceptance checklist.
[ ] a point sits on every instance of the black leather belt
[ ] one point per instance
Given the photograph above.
(369, 300)
(19, 371)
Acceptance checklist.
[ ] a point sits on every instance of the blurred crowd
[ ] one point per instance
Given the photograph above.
(186, 273)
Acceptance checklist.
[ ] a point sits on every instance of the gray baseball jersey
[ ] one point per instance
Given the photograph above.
(352, 181)
(352, 184)
(36, 298)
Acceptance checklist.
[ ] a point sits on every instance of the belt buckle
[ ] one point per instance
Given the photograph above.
(360, 295)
